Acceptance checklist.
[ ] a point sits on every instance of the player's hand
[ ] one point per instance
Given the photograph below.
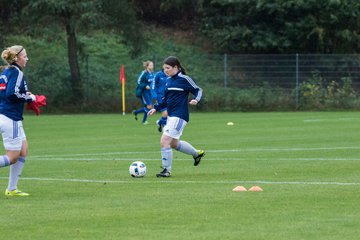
(147, 87)
(33, 97)
(193, 102)
(151, 112)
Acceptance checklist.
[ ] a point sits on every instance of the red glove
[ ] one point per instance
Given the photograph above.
(33, 106)
(40, 100)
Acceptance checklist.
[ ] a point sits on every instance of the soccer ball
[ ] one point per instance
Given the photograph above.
(137, 169)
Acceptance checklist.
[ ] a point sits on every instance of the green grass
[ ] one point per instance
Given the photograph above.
(77, 174)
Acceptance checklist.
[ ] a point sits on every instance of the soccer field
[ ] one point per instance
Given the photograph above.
(308, 164)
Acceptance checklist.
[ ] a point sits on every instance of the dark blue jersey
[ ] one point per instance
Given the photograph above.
(13, 95)
(177, 90)
(145, 79)
(160, 82)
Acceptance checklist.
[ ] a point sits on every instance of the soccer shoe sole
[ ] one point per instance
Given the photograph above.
(197, 159)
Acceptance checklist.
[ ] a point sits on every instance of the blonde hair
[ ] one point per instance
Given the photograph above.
(9, 55)
(146, 63)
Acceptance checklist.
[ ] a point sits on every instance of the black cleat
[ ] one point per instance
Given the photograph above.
(197, 159)
(135, 115)
(160, 127)
(163, 173)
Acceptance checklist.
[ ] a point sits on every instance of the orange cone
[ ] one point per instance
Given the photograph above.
(239, 189)
(255, 189)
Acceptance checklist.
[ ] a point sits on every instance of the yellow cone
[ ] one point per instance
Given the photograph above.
(239, 189)
(255, 189)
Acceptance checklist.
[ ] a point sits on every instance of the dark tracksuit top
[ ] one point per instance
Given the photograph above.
(176, 100)
(13, 90)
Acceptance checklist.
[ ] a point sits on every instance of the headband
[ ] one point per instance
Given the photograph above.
(20, 51)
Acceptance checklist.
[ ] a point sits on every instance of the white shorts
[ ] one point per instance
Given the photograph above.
(12, 133)
(174, 127)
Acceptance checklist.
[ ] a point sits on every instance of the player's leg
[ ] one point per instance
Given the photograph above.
(139, 110)
(12, 143)
(166, 152)
(16, 168)
(187, 148)
(178, 125)
(146, 110)
(169, 140)
(9, 158)
(148, 102)
(13, 137)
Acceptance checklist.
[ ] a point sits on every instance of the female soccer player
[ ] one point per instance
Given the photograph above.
(160, 83)
(13, 94)
(143, 90)
(178, 87)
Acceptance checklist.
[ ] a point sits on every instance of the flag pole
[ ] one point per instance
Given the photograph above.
(123, 98)
(122, 81)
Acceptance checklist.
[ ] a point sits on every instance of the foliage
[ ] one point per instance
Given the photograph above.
(319, 93)
(108, 34)
(263, 98)
(85, 15)
(282, 26)
(181, 14)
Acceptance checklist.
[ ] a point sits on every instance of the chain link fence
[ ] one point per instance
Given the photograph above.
(282, 79)
(284, 70)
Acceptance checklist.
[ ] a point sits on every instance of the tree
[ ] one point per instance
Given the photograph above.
(84, 14)
(9, 13)
(276, 26)
(179, 13)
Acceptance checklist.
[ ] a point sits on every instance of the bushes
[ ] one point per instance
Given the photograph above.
(263, 98)
(321, 94)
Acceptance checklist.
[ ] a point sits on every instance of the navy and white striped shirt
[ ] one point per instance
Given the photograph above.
(13, 95)
(176, 98)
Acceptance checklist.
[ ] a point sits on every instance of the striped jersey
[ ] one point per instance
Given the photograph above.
(13, 95)
(145, 79)
(177, 90)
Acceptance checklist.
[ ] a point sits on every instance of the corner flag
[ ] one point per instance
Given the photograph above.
(122, 81)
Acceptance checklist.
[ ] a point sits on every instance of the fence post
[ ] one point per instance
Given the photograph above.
(297, 82)
(87, 79)
(225, 70)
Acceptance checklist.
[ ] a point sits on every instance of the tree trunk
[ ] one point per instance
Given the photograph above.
(76, 82)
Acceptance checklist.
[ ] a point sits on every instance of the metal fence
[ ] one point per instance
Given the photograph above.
(283, 70)
(241, 71)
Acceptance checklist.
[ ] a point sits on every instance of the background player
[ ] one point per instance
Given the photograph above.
(160, 84)
(143, 90)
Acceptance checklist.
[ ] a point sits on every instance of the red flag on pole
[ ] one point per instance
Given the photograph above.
(122, 75)
(122, 81)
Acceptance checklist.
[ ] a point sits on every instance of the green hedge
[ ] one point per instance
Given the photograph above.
(101, 56)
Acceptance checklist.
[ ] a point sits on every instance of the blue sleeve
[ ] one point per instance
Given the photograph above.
(197, 92)
(14, 86)
(157, 83)
(194, 89)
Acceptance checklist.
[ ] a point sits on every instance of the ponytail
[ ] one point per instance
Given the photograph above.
(9, 55)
